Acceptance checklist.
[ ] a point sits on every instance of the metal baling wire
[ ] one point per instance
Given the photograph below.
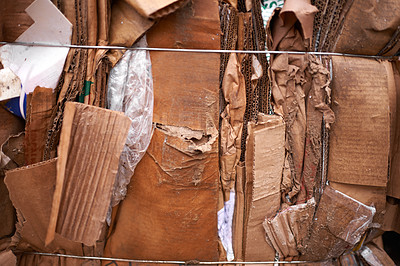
(189, 50)
(164, 261)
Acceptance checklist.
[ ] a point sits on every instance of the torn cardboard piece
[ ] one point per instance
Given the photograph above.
(287, 231)
(156, 9)
(126, 27)
(359, 140)
(91, 142)
(40, 66)
(38, 118)
(338, 225)
(172, 197)
(265, 154)
(31, 190)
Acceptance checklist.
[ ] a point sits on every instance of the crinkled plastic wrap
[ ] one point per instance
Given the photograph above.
(130, 90)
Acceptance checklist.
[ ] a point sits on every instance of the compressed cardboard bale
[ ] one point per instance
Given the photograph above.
(169, 212)
(338, 224)
(91, 142)
(265, 154)
(359, 140)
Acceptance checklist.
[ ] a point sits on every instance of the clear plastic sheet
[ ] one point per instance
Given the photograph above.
(130, 90)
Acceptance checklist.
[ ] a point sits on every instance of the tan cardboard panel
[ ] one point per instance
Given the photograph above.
(359, 140)
(91, 142)
(7, 258)
(156, 8)
(265, 154)
(170, 210)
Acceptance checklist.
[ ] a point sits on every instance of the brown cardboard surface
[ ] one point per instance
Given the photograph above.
(288, 230)
(368, 27)
(170, 210)
(393, 187)
(31, 189)
(265, 154)
(338, 225)
(369, 195)
(127, 25)
(7, 258)
(14, 19)
(91, 141)
(156, 9)
(38, 119)
(191, 97)
(359, 140)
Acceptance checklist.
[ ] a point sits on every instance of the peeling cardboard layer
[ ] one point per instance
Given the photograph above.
(90, 145)
(170, 205)
(338, 225)
(265, 154)
(359, 141)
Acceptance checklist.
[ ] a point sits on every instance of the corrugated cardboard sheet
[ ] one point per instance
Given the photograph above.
(39, 112)
(170, 210)
(91, 142)
(265, 154)
(360, 139)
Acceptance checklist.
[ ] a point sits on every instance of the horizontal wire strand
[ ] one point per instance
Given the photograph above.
(194, 262)
(34, 44)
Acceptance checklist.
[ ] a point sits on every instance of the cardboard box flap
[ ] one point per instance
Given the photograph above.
(359, 140)
(7, 258)
(91, 142)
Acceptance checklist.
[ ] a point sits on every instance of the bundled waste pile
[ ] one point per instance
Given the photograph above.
(183, 131)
